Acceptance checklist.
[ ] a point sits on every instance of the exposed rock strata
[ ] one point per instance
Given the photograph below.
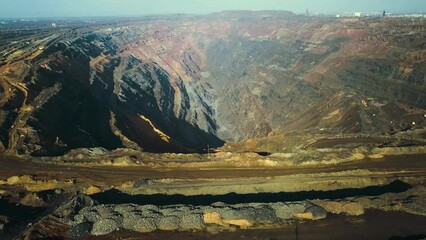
(188, 84)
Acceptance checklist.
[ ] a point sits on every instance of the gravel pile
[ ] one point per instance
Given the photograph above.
(104, 219)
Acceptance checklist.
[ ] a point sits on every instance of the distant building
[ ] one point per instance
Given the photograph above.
(357, 14)
(384, 13)
(54, 25)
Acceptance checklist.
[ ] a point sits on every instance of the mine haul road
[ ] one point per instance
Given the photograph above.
(395, 167)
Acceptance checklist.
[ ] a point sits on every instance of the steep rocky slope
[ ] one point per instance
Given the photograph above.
(182, 84)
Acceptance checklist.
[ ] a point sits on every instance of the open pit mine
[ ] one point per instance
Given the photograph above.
(233, 125)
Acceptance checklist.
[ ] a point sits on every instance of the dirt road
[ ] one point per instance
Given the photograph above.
(403, 165)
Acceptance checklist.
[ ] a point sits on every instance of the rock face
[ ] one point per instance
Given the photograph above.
(68, 210)
(188, 84)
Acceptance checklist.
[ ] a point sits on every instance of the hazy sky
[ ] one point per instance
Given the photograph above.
(78, 8)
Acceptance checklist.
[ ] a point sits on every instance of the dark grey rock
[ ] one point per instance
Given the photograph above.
(148, 208)
(130, 219)
(139, 223)
(192, 221)
(80, 230)
(252, 213)
(317, 212)
(104, 210)
(125, 208)
(285, 211)
(70, 209)
(87, 215)
(131, 213)
(415, 205)
(105, 226)
(168, 223)
(174, 211)
(264, 214)
(147, 218)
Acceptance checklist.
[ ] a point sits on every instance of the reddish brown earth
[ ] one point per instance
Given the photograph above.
(277, 103)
